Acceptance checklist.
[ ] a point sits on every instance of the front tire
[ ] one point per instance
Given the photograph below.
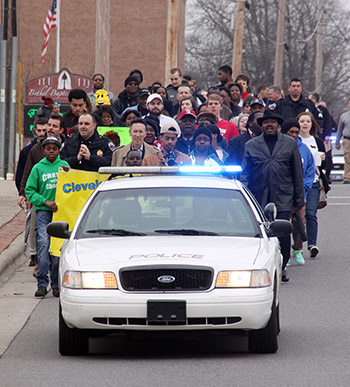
(72, 341)
(265, 340)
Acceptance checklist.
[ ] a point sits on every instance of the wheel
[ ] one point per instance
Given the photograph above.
(265, 340)
(72, 341)
(278, 319)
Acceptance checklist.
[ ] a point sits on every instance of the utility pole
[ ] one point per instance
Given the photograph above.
(12, 94)
(172, 44)
(279, 54)
(3, 88)
(238, 39)
(319, 49)
(102, 39)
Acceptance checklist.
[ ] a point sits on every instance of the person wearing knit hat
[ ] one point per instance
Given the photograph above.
(203, 153)
(289, 124)
(242, 123)
(128, 97)
(45, 110)
(152, 131)
(291, 128)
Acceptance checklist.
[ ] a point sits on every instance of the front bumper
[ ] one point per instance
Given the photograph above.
(216, 309)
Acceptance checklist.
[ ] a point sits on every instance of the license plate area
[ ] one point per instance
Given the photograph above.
(166, 311)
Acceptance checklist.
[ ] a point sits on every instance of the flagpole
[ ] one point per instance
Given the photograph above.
(58, 17)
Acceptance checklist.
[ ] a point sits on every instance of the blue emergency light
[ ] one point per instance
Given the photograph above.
(182, 169)
(214, 169)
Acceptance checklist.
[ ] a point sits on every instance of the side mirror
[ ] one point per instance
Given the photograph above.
(270, 212)
(279, 228)
(58, 230)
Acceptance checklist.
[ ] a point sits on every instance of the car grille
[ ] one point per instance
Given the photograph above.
(184, 278)
(208, 321)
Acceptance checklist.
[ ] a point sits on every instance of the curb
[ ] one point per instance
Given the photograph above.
(10, 257)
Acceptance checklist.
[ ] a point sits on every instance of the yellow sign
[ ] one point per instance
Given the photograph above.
(73, 190)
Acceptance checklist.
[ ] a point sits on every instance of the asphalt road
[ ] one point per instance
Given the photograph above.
(313, 345)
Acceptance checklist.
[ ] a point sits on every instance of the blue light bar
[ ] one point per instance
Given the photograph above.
(333, 138)
(183, 169)
(210, 169)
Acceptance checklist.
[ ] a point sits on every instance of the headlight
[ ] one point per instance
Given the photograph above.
(243, 279)
(89, 280)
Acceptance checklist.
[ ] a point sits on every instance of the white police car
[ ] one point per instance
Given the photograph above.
(170, 252)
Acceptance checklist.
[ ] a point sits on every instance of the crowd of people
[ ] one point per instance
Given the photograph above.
(281, 141)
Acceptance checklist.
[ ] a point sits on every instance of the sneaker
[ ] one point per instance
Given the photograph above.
(314, 250)
(41, 292)
(298, 255)
(32, 261)
(289, 262)
(56, 292)
(285, 277)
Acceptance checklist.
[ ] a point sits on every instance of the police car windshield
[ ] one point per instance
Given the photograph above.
(168, 211)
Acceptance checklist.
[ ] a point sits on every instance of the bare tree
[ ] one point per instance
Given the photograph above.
(209, 45)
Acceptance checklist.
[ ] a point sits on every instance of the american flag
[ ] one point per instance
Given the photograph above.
(50, 22)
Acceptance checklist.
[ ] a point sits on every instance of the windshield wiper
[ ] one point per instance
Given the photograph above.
(113, 231)
(186, 231)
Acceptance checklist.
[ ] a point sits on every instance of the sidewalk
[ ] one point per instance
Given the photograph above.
(12, 226)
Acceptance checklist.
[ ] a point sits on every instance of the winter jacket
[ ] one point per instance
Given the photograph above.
(123, 102)
(211, 160)
(101, 149)
(22, 162)
(236, 148)
(276, 177)
(35, 155)
(287, 108)
(70, 120)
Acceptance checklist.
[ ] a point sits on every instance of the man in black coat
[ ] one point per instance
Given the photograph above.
(295, 103)
(87, 150)
(272, 170)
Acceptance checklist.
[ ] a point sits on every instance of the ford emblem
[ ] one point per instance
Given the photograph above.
(166, 279)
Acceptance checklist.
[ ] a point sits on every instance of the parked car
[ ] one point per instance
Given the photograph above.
(337, 173)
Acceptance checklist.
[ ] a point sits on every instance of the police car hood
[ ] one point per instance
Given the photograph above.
(189, 250)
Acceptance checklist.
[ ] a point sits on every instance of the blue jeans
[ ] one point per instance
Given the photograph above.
(312, 199)
(45, 260)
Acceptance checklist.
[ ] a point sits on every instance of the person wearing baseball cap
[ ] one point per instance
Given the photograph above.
(141, 100)
(187, 122)
(155, 106)
(51, 140)
(169, 156)
(40, 191)
(257, 104)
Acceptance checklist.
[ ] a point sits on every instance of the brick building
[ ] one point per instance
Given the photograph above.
(142, 34)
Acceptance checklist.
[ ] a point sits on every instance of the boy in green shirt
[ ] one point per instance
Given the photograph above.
(41, 191)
